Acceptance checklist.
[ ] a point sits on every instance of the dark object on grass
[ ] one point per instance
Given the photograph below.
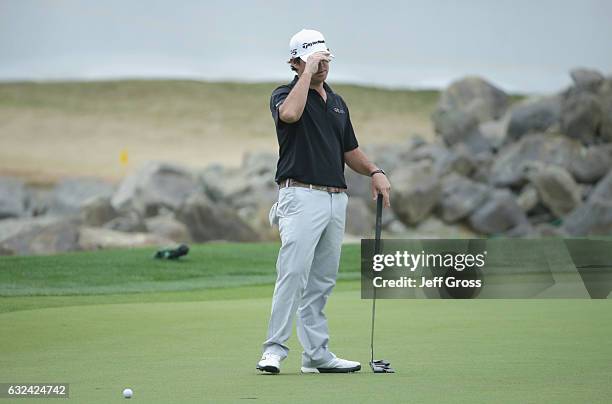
(380, 365)
(172, 253)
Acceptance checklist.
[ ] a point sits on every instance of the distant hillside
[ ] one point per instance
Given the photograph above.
(48, 130)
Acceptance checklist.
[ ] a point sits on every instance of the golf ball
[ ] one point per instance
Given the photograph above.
(127, 393)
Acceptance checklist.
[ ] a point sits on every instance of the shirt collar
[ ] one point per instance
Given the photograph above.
(325, 86)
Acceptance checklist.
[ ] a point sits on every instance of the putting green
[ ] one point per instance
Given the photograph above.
(206, 350)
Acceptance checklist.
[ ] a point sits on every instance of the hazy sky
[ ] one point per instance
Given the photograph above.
(521, 45)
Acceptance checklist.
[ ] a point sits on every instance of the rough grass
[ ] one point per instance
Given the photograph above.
(49, 130)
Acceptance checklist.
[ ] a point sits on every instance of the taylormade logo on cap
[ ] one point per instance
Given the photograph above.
(305, 43)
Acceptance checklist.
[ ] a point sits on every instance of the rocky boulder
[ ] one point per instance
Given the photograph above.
(40, 235)
(499, 214)
(166, 226)
(93, 238)
(359, 218)
(207, 221)
(259, 163)
(587, 79)
(460, 196)
(97, 211)
(71, 194)
(590, 164)
(155, 187)
(555, 186)
(509, 165)
(534, 115)
(581, 116)
(12, 198)
(528, 198)
(475, 96)
(127, 222)
(595, 216)
(416, 189)
(605, 91)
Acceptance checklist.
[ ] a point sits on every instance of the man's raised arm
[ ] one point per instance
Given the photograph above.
(292, 108)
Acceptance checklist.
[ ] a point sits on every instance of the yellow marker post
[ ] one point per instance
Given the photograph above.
(124, 161)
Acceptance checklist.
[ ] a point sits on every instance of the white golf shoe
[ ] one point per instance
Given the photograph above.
(335, 365)
(269, 363)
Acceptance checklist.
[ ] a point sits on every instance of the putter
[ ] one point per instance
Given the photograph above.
(379, 365)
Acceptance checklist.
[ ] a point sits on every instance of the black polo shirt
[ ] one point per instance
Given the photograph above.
(312, 149)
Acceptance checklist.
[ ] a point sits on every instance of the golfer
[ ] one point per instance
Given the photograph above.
(316, 139)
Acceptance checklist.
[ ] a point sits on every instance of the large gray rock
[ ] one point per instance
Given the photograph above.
(556, 188)
(127, 222)
(459, 158)
(94, 238)
(12, 198)
(359, 218)
(212, 179)
(534, 115)
(595, 216)
(590, 164)
(508, 166)
(97, 211)
(392, 155)
(494, 132)
(582, 115)
(71, 194)
(416, 189)
(40, 199)
(605, 129)
(432, 227)
(40, 235)
(455, 125)
(155, 187)
(464, 105)
(587, 79)
(476, 96)
(528, 198)
(499, 214)
(208, 221)
(259, 163)
(460, 196)
(359, 186)
(168, 227)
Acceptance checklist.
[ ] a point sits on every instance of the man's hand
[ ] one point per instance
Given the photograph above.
(381, 185)
(312, 62)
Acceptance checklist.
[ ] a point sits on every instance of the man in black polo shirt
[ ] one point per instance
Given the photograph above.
(316, 139)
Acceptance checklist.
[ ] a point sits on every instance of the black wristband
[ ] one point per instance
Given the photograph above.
(380, 170)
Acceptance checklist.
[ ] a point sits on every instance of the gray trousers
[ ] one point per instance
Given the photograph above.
(311, 224)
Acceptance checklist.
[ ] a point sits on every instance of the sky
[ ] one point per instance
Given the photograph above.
(521, 46)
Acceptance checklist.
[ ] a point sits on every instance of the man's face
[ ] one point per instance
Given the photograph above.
(321, 74)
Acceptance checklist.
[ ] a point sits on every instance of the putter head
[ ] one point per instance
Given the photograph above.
(381, 366)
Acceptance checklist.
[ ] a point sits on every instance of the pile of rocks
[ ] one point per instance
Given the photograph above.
(535, 167)
(159, 204)
(541, 166)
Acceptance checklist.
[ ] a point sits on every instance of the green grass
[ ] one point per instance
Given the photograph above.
(200, 345)
(123, 271)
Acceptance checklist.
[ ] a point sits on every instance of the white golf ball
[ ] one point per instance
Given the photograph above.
(127, 393)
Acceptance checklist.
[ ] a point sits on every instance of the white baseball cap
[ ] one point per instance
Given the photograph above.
(305, 43)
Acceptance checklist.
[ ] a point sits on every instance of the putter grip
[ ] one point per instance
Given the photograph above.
(379, 206)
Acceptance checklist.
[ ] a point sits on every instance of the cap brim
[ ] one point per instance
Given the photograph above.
(305, 57)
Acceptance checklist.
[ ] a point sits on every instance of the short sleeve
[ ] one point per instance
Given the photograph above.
(350, 140)
(277, 98)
